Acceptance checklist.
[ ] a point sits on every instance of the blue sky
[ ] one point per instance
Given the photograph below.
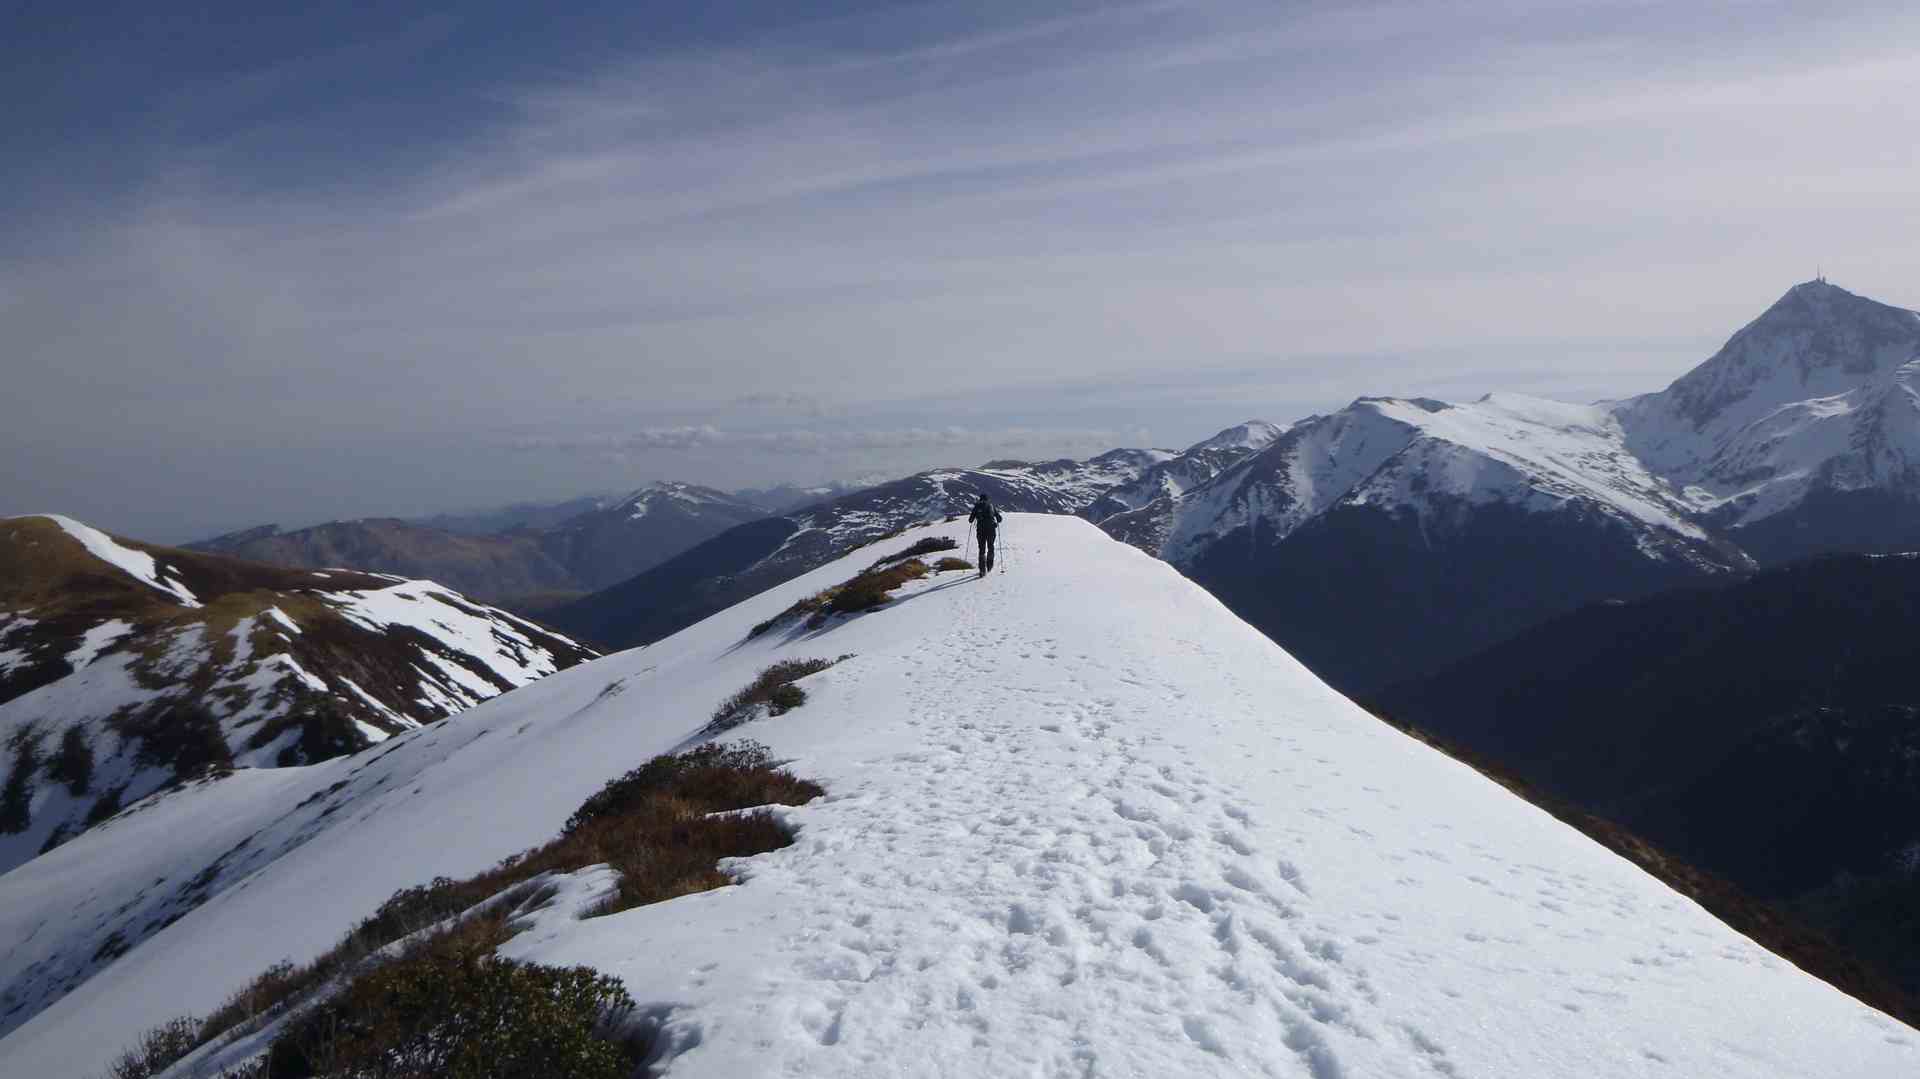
(346, 262)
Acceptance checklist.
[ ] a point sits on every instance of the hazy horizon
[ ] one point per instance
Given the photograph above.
(324, 264)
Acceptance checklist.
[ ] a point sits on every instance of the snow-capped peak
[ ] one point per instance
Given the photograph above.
(1817, 391)
(687, 496)
(1818, 340)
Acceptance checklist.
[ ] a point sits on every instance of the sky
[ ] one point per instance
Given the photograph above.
(367, 260)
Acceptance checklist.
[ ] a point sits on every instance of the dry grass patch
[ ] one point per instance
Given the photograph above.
(870, 589)
(929, 545)
(947, 565)
(772, 689)
(663, 827)
(860, 593)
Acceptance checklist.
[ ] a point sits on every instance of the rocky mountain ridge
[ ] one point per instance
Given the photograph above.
(127, 667)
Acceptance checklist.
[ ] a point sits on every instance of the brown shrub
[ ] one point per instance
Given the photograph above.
(105, 806)
(182, 736)
(929, 545)
(860, 593)
(451, 1008)
(16, 810)
(948, 564)
(869, 590)
(157, 1050)
(73, 763)
(773, 687)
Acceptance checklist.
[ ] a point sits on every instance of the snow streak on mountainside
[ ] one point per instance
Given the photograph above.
(126, 667)
(1436, 461)
(1061, 838)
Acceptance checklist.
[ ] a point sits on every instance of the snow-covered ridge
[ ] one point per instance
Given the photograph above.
(1433, 459)
(686, 495)
(1097, 488)
(1061, 837)
(1549, 449)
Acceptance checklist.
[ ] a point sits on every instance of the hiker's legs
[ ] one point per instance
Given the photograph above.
(987, 550)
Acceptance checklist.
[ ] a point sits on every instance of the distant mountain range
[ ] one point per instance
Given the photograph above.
(127, 667)
(751, 558)
(1397, 535)
(1767, 730)
(1377, 543)
(520, 516)
(543, 549)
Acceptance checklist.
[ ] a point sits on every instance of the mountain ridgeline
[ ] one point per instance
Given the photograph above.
(754, 557)
(537, 553)
(1397, 535)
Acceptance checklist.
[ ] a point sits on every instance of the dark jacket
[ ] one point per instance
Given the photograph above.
(985, 517)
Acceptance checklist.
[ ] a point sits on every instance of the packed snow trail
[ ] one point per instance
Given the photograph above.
(1084, 822)
(1080, 821)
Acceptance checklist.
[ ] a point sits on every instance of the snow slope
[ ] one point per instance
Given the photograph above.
(1061, 838)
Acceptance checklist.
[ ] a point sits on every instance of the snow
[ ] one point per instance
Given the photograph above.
(1430, 458)
(1061, 837)
(375, 703)
(299, 673)
(104, 685)
(482, 632)
(95, 640)
(1252, 435)
(280, 616)
(136, 564)
(1551, 448)
(645, 500)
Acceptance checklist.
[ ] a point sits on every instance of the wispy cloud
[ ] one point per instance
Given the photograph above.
(885, 212)
(810, 441)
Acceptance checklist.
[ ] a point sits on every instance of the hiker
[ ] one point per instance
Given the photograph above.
(986, 520)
